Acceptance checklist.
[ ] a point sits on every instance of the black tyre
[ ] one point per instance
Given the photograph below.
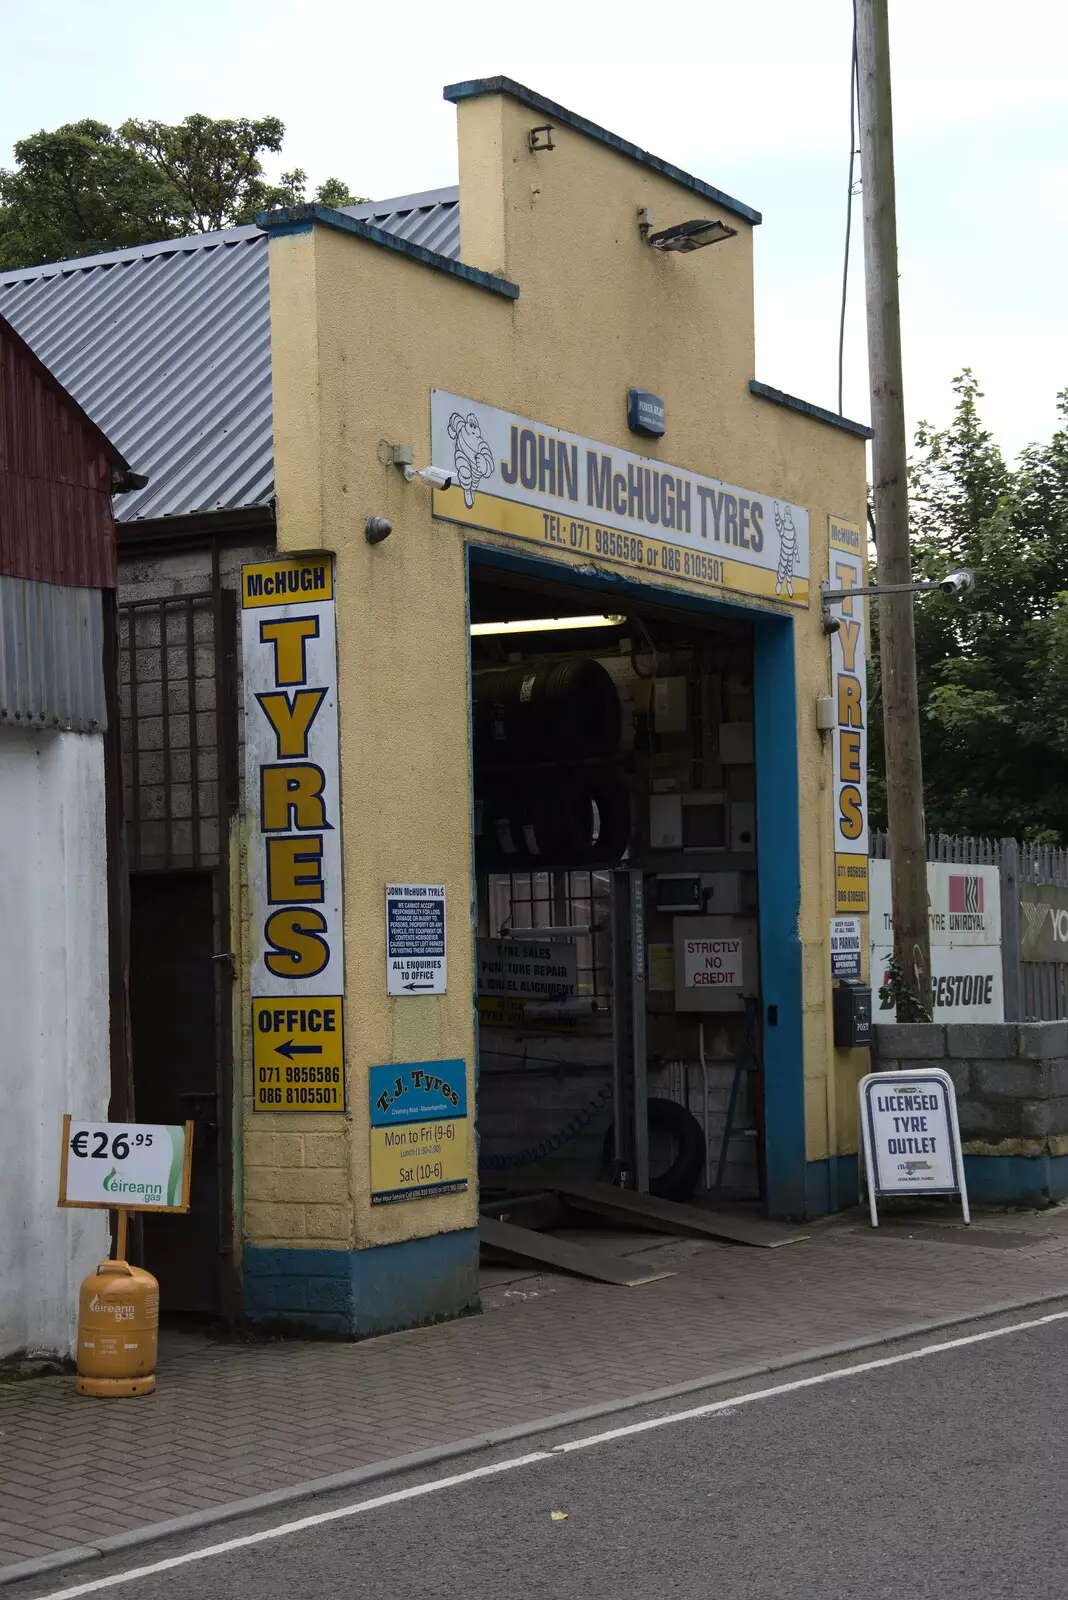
(676, 1150)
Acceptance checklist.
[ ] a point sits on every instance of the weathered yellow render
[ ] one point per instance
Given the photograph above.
(360, 335)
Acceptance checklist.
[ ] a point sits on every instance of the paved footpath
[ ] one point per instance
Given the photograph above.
(232, 1420)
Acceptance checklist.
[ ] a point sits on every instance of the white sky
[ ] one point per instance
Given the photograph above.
(752, 98)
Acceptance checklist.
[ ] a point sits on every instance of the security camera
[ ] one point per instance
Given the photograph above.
(958, 583)
(435, 477)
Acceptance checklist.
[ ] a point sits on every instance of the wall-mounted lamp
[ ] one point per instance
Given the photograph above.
(375, 529)
(541, 137)
(684, 237)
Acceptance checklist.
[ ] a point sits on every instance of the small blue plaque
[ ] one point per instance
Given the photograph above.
(645, 413)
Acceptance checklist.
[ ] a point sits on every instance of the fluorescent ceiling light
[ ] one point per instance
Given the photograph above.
(545, 624)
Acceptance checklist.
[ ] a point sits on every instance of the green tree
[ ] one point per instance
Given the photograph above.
(992, 668)
(85, 187)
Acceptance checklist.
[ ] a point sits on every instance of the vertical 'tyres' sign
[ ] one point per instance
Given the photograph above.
(292, 797)
(849, 685)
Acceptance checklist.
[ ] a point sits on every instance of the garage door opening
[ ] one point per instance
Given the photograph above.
(616, 872)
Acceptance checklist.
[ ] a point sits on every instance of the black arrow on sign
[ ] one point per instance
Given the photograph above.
(418, 985)
(289, 1049)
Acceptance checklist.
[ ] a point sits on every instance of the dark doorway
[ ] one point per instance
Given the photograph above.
(174, 1043)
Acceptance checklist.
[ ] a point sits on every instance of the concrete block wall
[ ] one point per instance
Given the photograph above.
(1012, 1099)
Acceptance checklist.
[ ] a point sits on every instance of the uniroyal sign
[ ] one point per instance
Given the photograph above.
(292, 797)
(849, 683)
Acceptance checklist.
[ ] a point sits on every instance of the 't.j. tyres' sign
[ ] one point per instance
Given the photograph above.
(573, 495)
(849, 684)
(292, 799)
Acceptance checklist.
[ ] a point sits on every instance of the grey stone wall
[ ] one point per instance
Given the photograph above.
(1011, 1078)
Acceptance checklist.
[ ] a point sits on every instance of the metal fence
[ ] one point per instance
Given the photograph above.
(1035, 991)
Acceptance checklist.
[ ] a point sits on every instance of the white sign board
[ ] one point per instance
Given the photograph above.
(293, 805)
(845, 947)
(910, 1135)
(566, 493)
(135, 1166)
(713, 963)
(964, 916)
(415, 938)
(527, 969)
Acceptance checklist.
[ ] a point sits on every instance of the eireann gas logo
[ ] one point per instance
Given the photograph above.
(121, 1313)
(152, 1193)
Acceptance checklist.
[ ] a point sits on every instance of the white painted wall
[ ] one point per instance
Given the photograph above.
(53, 1023)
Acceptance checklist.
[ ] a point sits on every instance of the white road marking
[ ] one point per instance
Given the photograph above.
(397, 1496)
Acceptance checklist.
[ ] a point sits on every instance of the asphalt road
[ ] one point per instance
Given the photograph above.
(938, 1476)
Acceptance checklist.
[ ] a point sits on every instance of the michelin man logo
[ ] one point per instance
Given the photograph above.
(784, 523)
(472, 456)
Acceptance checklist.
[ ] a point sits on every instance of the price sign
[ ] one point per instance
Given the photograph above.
(133, 1166)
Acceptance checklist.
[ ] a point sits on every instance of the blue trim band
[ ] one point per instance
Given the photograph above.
(992, 1181)
(300, 219)
(476, 88)
(351, 1294)
(779, 898)
(778, 397)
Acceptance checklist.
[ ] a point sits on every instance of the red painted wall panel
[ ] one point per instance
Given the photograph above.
(56, 522)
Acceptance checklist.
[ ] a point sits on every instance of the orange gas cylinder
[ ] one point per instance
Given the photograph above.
(118, 1323)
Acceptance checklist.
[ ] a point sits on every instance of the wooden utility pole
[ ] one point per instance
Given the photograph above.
(897, 636)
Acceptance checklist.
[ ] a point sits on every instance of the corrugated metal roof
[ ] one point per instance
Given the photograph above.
(51, 657)
(167, 347)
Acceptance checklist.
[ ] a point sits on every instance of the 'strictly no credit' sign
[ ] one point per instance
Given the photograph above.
(419, 1130)
(292, 789)
(415, 938)
(849, 682)
(910, 1135)
(135, 1166)
(570, 494)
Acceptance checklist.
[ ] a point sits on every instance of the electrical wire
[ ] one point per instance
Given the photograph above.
(854, 91)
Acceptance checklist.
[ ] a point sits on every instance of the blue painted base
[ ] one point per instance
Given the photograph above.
(1016, 1180)
(351, 1294)
(992, 1181)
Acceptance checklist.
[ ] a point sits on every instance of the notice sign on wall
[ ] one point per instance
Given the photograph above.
(293, 800)
(419, 1130)
(566, 493)
(527, 969)
(845, 947)
(135, 1166)
(713, 963)
(910, 1135)
(964, 918)
(849, 686)
(415, 938)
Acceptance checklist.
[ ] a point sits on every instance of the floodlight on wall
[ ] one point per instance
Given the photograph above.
(684, 237)
(545, 625)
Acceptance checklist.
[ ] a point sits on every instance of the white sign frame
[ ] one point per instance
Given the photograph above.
(879, 1181)
(430, 973)
(534, 481)
(78, 1173)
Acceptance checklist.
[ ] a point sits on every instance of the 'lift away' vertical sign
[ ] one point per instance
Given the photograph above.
(293, 807)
